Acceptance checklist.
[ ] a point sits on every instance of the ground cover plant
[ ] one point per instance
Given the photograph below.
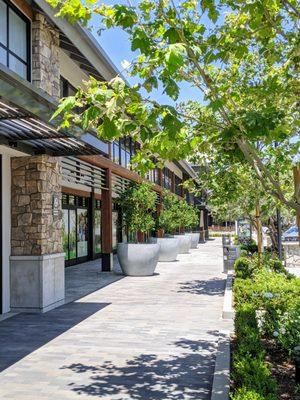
(267, 329)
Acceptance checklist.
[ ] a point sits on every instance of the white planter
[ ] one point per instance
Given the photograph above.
(168, 248)
(195, 236)
(138, 259)
(184, 244)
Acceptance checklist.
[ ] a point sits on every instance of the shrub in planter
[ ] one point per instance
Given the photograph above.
(243, 267)
(289, 329)
(167, 222)
(268, 291)
(168, 219)
(137, 204)
(251, 374)
(250, 246)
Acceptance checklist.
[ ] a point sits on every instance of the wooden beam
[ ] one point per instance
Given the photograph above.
(106, 224)
(24, 7)
(75, 192)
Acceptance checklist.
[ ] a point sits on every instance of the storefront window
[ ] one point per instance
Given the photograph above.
(75, 228)
(115, 217)
(97, 227)
(14, 40)
(82, 232)
(72, 235)
(65, 233)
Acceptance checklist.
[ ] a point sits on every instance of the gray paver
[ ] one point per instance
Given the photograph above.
(137, 338)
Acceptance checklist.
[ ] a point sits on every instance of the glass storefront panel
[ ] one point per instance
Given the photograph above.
(65, 233)
(115, 216)
(82, 232)
(97, 231)
(72, 234)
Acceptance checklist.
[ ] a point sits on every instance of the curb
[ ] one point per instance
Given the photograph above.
(228, 311)
(221, 379)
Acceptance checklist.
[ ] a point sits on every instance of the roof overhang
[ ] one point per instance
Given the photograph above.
(185, 167)
(74, 36)
(24, 121)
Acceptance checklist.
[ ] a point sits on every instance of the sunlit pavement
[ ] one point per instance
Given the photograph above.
(137, 338)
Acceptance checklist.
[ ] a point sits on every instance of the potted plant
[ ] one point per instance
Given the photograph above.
(191, 222)
(167, 223)
(137, 204)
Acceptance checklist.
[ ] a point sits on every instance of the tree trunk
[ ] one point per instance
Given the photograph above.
(296, 172)
(259, 231)
(273, 233)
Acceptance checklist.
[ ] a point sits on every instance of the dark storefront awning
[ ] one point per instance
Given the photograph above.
(24, 121)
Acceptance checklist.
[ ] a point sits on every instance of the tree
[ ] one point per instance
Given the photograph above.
(137, 204)
(235, 192)
(176, 214)
(245, 65)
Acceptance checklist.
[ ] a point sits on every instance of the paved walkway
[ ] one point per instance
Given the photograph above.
(151, 338)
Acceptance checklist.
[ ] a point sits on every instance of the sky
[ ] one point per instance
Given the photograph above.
(116, 44)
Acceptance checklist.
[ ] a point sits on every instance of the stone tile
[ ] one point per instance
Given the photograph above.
(151, 338)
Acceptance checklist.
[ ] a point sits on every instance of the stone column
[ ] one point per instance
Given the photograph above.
(37, 261)
(45, 56)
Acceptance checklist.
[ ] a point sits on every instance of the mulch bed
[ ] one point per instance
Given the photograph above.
(283, 370)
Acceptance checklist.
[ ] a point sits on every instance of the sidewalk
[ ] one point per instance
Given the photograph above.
(151, 338)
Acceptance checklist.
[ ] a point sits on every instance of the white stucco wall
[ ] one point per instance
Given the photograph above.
(6, 153)
(172, 167)
(70, 70)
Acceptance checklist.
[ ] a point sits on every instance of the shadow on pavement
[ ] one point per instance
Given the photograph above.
(186, 373)
(211, 287)
(25, 333)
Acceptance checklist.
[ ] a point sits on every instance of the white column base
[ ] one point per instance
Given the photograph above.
(37, 283)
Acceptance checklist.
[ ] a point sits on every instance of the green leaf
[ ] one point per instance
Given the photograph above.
(109, 128)
(140, 41)
(66, 104)
(171, 88)
(172, 35)
(174, 56)
(124, 16)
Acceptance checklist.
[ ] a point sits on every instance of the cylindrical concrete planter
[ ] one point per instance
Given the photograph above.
(168, 248)
(195, 239)
(138, 259)
(184, 244)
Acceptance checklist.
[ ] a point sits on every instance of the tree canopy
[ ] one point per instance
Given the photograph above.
(242, 57)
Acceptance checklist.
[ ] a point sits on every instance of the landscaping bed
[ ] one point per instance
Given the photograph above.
(267, 328)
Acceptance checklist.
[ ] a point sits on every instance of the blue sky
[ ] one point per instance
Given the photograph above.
(117, 45)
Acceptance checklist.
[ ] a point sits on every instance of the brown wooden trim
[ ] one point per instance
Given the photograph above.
(24, 8)
(106, 216)
(172, 182)
(75, 192)
(97, 196)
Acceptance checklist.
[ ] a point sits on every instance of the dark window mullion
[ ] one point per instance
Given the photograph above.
(7, 35)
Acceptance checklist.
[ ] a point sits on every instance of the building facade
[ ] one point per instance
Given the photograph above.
(58, 188)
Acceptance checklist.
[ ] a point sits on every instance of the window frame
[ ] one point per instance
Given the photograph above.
(27, 21)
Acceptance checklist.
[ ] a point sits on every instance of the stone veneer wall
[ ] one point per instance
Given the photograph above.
(35, 230)
(45, 56)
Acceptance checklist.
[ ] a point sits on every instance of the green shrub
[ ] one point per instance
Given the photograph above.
(289, 329)
(250, 246)
(254, 374)
(250, 371)
(277, 266)
(243, 267)
(245, 394)
(271, 292)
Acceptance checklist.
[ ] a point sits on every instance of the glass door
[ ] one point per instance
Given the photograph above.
(75, 228)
